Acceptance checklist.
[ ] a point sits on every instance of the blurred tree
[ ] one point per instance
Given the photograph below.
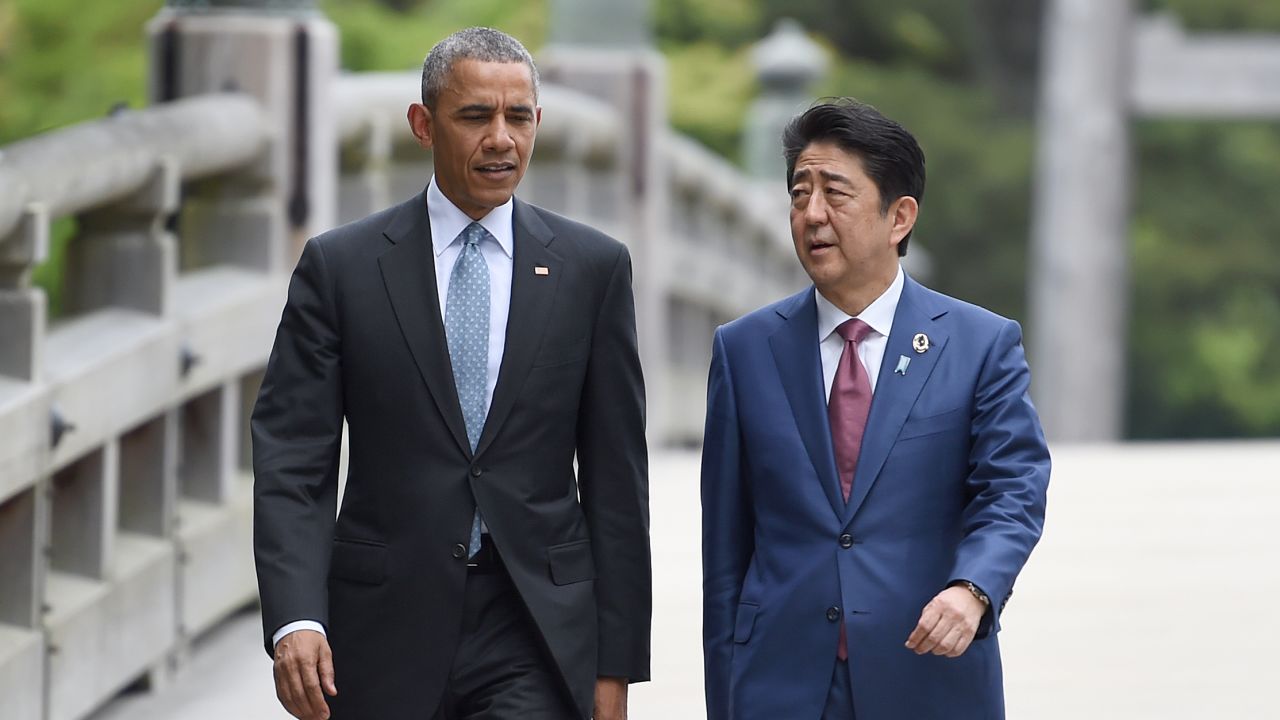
(376, 36)
(1233, 15)
(69, 70)
(1204, 352)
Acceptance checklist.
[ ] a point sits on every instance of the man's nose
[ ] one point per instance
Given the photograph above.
(499, 139)
(815, 211)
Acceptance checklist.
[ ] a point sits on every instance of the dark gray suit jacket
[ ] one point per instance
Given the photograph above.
(361, 338)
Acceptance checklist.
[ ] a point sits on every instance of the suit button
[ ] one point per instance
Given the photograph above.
(833, 614)
(459, 551)
(846, 541)
(475, 472)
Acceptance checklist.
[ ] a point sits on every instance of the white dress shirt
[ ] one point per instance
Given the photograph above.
(879, 315)
(447, 224)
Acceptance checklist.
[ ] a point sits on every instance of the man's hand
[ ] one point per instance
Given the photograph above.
(611, 699)
(948, 623)
(304, 667)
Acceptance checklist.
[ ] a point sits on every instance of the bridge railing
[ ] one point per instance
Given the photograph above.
(124, 491)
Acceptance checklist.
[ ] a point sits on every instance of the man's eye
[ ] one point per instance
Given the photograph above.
(798, 192)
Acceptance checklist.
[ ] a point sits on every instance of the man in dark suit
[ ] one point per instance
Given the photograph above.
(874, 474)
(475, 345)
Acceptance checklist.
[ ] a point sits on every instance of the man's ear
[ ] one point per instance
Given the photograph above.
(537, 116)
(903, 212)
(420, 123)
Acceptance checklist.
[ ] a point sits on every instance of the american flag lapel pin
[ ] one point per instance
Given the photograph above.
(541, 270)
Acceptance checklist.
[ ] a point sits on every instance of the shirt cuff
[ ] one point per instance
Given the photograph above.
(296, 626)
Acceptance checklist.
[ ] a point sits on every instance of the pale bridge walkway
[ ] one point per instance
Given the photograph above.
(1151, 596)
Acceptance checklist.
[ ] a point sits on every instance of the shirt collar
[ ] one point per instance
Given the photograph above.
(448, 222)
(879, 314)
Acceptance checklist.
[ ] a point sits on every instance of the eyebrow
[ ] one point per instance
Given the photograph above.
(482, 108)
(827, 175)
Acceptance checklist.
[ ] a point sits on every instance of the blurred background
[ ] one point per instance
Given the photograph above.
(1103, 171)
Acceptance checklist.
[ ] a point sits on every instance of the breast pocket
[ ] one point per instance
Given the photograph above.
(562, 353)
(957, 419)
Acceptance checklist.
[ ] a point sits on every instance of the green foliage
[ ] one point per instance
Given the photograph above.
(378, 37)
(62, 62)
(727, 23)
(708, 92)
(48, 275)
(975, 215)
(1204, 352)
(1233, 15)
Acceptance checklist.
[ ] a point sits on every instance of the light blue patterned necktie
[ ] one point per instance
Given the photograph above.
(466, 326)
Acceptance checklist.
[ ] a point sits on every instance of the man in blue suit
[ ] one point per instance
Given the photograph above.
(874, 473)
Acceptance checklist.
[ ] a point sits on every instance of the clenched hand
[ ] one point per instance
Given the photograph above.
(948, 623)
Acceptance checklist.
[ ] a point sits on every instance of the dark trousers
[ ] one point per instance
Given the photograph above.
(840, 696)
(501, 670)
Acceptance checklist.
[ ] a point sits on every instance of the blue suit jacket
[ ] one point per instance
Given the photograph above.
(950, 485)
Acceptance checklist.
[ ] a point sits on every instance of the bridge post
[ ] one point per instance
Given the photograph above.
(124, 256)
(285, 53)
(787, 63)
(601, 48)
(22, 307)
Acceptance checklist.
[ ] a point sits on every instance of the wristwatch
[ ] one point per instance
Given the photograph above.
(986, 601)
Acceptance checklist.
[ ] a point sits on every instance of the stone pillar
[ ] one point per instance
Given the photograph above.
(285, 53)
(787, 65)
(123, 255)
(22, 307)
(1079, 259)
(612, 24)
(615, 64)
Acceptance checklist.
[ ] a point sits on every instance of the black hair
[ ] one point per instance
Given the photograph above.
(890, 155)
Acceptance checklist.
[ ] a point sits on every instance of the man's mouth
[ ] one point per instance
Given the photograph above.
(818, 245)
(496, 169)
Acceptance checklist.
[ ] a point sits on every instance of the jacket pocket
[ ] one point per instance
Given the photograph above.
(558, 354)
(934, 424)
(359, 561)
(571, 562)
(745, 622)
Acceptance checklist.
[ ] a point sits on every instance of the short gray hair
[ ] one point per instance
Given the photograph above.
(473, 43)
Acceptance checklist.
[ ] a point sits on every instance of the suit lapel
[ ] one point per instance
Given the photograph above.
(409, 273)
(896, 394)
(531, 298)
(795, 351)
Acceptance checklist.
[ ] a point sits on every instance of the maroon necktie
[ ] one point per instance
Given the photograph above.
(847, 410)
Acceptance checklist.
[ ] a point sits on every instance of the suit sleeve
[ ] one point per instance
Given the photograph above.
(1008, 479)
(297, 432)
(613, 473)
(727, 531)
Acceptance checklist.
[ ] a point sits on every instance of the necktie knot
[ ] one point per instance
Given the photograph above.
(473, 234)
(853, 330)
